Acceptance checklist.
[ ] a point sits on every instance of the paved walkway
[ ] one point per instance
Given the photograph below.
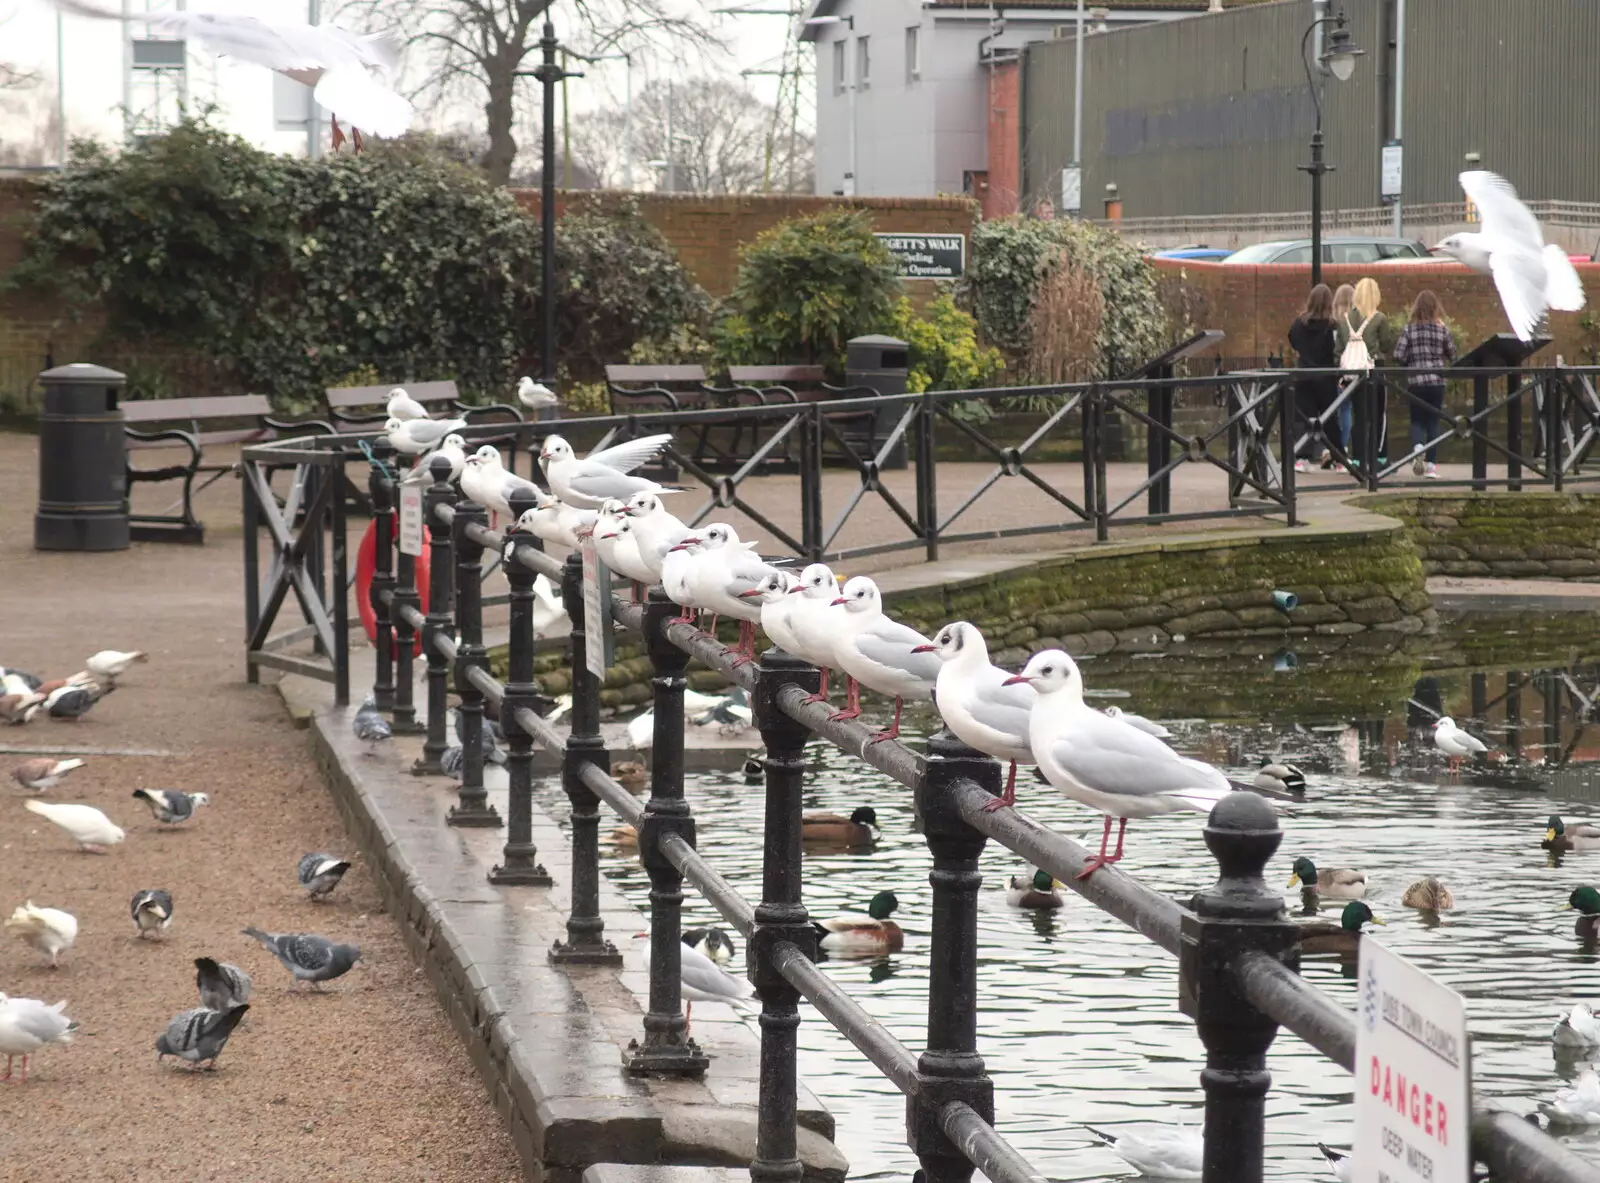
(367, 1082)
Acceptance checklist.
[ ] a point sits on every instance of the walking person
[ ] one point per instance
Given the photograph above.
(1425, 343)
(1315, 344)
(1356, 313)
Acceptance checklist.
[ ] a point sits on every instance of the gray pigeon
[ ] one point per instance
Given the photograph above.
(170, 805)
(152, 911)
(320, 874)
(369, 726)
(74, 700)
(198, 1035)
(308, 957)
(222, 986)
(493, 737)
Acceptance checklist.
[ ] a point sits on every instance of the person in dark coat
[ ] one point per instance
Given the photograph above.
(1313, 338)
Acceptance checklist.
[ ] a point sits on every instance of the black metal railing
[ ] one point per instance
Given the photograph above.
(1237, 950)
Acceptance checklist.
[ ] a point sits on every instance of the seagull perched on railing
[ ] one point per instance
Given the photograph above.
(813, 624)
(486, 481)
(402, 406)
(417, 437)
(980, 704)
(535, 395)
(453, 449)
(879, 651)
(725, 569)
(618, 546)
(589, 482)
(655, 530)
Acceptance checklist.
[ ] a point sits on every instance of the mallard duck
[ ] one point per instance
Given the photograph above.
(754, 770)
(1338, 884)
(859, 829)
(1430, 894)
(625, 836)
(1036, 892)
(1578, 836)
(1281, 777)
(1578, 1105)
(710, 942)
(853, 935)
(1587, 901)
(1579, 1030)
(1344, 938)
(631, 775)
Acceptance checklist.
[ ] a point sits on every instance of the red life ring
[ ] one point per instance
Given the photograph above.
(366, 566)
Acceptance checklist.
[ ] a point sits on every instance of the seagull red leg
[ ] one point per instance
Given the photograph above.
(1122, 828)
(1100, 860)
(1009, 797)
(852, 703)
(822, 690)
(894, 728)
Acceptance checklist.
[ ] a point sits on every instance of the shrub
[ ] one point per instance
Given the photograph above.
(944, 349)
(1001, 276)
(804, 288)
(1064, 326)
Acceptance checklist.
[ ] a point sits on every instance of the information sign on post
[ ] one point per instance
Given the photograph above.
(1391, 180)
(1413, 1075)
(596, 612)
(411, 519)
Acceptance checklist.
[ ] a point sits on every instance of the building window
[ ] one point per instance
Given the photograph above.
(863, 63)
(913, 55)
(838, 66)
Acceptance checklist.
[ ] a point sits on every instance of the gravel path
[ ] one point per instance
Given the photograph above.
(364, 1082)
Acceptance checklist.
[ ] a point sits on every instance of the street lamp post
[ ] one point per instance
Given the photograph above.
(1338, 58)
(548, 72)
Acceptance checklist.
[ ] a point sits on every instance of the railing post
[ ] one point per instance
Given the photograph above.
(1286, 437)
(1480, 444)
(1554, 416)
(586, 943)
(667, 1046)
(1513, 433)
(339, 592)
(1239, 914)
(381, 489)
(1102, 522)
(405, 641)
(927, 478)
(472, 806)
(780, 917)
(1374, 393)
(252, 562)
(951, 1069)
(1158, 443)
(521, 865)
(811, 483)
(439, 621)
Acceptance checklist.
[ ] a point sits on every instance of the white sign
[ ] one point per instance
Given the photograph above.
(1413, 1075)
(596, 617)
(411, 519)
(1391, 184)
(1071, 189)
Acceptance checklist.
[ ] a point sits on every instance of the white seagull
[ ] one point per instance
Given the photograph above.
(980, 703)
(1578, 1105)
(772, 594)
(618, 546)
(655, 531)
(877, 650)
(555, 521)
(26, 1025)
(349, 72)
(1158, 1152)
(402, 406)
(702, 980)
(49, 930)
(813, 624)
(589, 482)
(485, 480)
(1456, 743)
(453, 449)
(416, 437)
(89, 828)
(1578, 1030)
(1106, 763)
(1139, 721)
(535, 395)
(725, 571)
(1531, 275)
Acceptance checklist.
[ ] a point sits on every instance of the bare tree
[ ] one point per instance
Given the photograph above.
(707, 135)
(483, 48)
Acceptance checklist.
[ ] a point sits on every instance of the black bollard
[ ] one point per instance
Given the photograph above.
(521, 865)
(382, 491)
(1239, 914)
(781, 916)
(586, 943)
(951, 1069)
(439, 621)
(667, 1047)
(472, 806)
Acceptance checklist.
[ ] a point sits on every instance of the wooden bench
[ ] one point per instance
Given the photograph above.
(636, 389)
(361, 408)
(808, 384)
(191, 425)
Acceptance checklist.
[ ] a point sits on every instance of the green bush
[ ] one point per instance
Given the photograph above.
(945, 354)
(804, 288)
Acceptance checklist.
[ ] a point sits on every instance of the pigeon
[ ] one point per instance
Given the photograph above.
(1145, 725)
(453, 449)
(403, 407)
(349, 72)
(1161, 1152)
(198, 1036)
(111, 664)
(152, 911)
(590, 482)
(74, 699)
(26, 1025)
(49, 930)
(369, 726)
(19, 679)
(320, 874)
(308, 957)
(222, 985)
(535, 395)
(416, 437)
(17, 709)
(710, 942)
(170, 805)
(1531, 275)
(493, 736)
(42, 773)
(90, 829)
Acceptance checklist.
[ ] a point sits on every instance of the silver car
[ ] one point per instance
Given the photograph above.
(1356, 249)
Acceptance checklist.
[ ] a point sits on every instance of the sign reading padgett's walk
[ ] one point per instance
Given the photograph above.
(1413, 1075)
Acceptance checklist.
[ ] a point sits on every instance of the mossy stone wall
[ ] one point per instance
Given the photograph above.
(1509, 535)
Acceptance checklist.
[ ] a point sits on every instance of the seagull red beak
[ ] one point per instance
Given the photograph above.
(687, 542)
(840, 600)
(607, 536)
(796, 589)
(1012, 681)
(545, 456)
(924, 648)
(751, 594)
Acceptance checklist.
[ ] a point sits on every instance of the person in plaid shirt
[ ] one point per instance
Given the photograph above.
(1425, 342)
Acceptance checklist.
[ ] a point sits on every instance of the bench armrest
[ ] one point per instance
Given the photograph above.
(344, 416)
(472, 412)
(185, 438)
(298, 426)
(849, 391)
(651, 393)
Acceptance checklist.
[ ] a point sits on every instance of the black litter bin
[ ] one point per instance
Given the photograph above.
(880, 363)
(83, 492)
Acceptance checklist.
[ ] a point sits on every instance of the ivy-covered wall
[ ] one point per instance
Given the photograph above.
(1508, 535)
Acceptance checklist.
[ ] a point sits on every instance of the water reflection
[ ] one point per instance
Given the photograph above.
(1079, 1022)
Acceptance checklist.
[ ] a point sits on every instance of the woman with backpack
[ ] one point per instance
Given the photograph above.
(1425, 342)
(1359, 329)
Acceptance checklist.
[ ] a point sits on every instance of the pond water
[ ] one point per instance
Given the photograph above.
(1079, 1021)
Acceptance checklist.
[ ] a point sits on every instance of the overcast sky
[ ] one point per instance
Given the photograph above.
(243, 94)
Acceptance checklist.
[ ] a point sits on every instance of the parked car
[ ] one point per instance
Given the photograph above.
(1201, 252)
(1343, 249)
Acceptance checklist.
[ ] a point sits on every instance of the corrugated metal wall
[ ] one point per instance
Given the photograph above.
(1212, 116)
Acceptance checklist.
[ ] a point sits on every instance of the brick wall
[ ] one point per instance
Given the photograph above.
(707, 231)
(1256, 305)
(1004, 176)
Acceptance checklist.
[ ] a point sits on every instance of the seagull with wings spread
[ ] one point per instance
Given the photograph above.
(588, 483)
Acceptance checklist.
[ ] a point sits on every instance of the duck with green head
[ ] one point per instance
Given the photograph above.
(1578, 836)
(859, 829)
(1586, 900)
(1337, 884)
(851, 934)
(1037, 893)
(1323, 936)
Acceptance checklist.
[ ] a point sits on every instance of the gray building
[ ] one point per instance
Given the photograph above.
(903, 85)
